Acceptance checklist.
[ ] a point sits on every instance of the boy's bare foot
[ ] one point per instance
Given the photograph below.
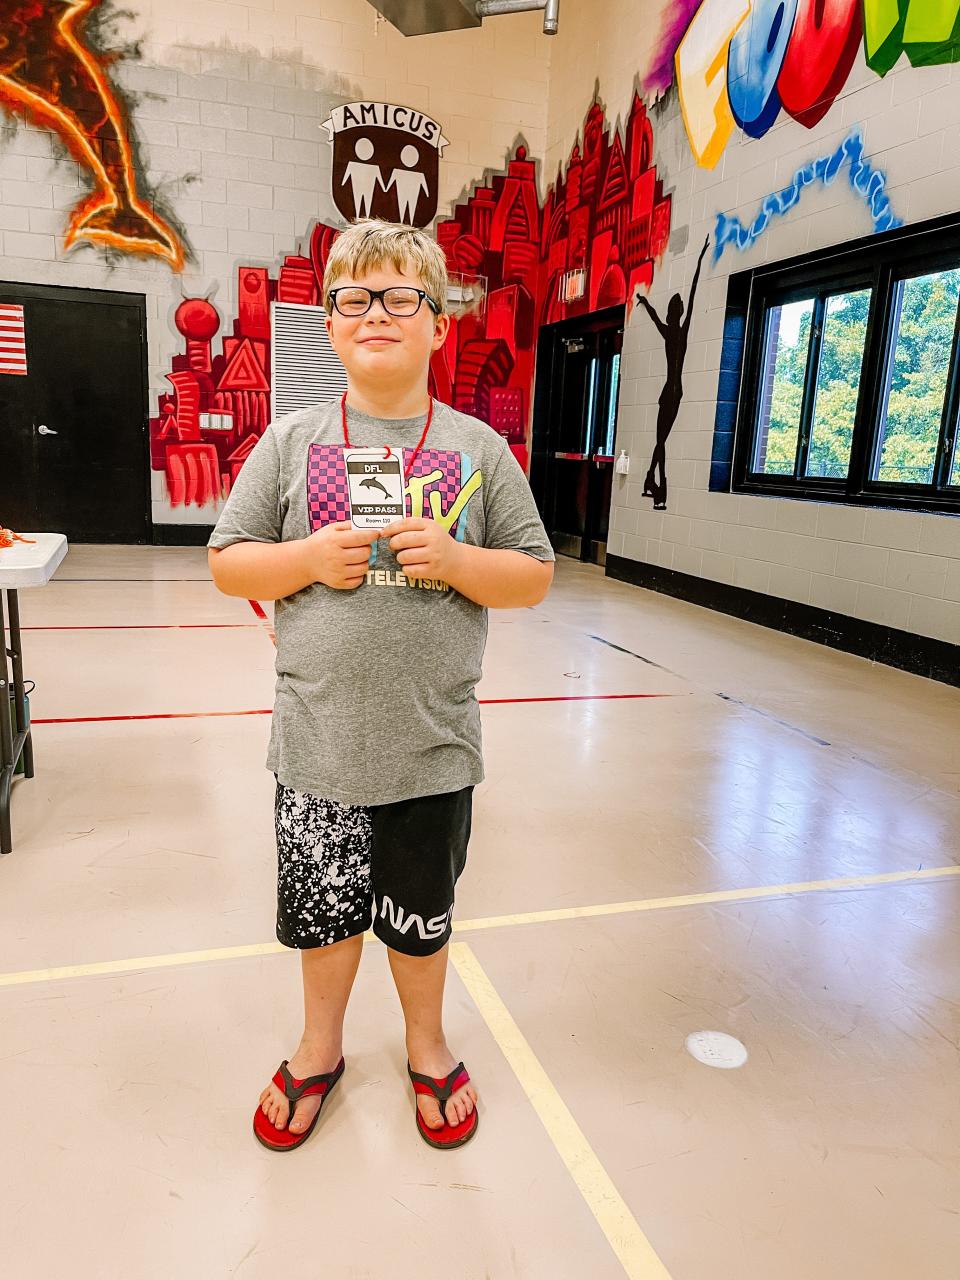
(311, 1059)
(433, 1058)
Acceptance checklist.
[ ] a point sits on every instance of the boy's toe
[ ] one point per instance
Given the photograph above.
(430, 1109)
(304, 1113)
(278, 1115)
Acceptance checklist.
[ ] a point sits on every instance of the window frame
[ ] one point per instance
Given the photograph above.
(878, 263)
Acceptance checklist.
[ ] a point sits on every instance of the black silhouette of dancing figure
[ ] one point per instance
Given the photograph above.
(674, 333)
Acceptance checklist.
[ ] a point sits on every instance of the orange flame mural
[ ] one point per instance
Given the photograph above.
(48, 75)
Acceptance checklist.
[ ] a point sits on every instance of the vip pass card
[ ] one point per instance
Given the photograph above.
(375, 478)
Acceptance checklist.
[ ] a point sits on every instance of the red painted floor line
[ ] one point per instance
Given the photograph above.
(158, 715)
(199, 715)
(151, 626)
(258, 609)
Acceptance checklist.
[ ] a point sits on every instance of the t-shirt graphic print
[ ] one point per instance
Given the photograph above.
(375, 697)
(440, 485)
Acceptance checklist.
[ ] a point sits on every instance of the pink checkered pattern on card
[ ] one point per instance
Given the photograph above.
(328, 494)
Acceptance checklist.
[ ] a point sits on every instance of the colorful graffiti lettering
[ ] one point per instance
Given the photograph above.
(866, 181)
(48, 74)
(740, 62)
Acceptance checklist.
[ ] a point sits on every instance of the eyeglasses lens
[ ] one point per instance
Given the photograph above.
(402, 302)
(397, 302)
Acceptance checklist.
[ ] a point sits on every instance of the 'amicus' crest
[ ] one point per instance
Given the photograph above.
(386, 162)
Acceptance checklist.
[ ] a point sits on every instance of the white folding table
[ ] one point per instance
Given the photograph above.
(25, 564)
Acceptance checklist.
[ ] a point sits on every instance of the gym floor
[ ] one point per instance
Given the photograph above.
(689, 824)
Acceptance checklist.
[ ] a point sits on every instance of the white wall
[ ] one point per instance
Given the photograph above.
(230, 100)
(898, 568)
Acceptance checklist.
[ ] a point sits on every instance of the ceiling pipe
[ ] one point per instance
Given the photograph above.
(551, 11)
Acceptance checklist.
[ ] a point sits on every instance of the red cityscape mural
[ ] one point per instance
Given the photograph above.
(593, 242)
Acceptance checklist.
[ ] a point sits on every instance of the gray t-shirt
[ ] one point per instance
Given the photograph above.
(375, 694)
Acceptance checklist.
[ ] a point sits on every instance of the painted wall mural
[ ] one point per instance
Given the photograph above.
(868, 183)
(674, 331)
(52, 73)
(605, 223)
(739, 63)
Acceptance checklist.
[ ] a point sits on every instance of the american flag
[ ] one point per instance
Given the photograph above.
(13, 341)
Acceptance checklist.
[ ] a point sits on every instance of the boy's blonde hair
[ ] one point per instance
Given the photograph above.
(371, 244)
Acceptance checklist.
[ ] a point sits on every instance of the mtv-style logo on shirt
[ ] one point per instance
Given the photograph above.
(440, 487)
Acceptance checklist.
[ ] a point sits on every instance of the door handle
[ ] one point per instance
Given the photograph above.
(45, 431)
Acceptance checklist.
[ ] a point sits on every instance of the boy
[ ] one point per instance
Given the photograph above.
(381, 625)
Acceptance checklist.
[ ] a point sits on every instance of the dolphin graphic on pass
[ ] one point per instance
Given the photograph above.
(371, 482)
(48, 75)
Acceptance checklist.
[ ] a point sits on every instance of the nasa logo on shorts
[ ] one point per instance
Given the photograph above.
(386, 162)
(375, 480)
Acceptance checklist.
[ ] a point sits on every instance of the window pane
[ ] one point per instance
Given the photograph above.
(590, 426)
(838, 384)
(784, 365)
(925, 311)
(612, 411)
(954, 477)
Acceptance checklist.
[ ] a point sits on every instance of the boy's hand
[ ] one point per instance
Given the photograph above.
(423, 548)
(338, 555)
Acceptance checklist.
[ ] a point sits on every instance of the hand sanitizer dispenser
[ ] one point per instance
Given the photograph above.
(622, 465)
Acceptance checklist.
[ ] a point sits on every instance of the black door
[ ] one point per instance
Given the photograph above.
(575, 420)
(74, 454)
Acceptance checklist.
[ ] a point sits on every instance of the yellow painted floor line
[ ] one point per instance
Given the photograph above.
(635, 1252)
(146, 962)
(27, 976)
(704, 899)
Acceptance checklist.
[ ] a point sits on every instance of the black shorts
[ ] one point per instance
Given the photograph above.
(342, 868)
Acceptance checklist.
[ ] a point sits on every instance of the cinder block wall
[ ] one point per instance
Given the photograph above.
(897, 568)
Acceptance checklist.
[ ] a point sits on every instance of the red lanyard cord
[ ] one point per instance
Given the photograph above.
(416, 452)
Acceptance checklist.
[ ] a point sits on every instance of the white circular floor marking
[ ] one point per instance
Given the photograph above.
(717, 1049)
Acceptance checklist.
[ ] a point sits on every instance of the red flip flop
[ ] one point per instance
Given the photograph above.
(451, 1135)
(293, 1090)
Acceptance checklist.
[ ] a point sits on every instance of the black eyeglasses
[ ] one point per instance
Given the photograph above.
(354, 300)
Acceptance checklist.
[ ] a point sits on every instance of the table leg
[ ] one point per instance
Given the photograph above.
(6, 741)
(19, 697)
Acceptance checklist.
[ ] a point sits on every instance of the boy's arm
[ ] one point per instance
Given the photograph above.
(497, 579)
(247, 554)
(260, 570)
(513, 568)
(500, 579)
(336, 556)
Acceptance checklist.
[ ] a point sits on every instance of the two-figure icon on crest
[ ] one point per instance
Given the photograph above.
(363, 178)
(386, 162)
